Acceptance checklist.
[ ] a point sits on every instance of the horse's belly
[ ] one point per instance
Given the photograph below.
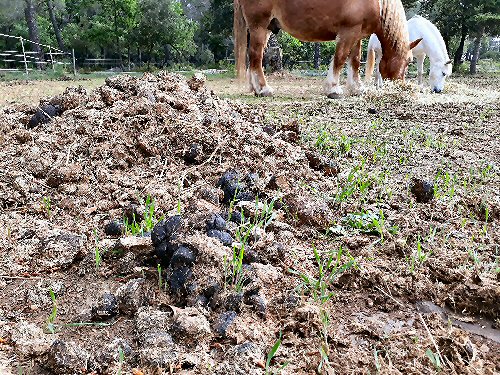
(307, 35)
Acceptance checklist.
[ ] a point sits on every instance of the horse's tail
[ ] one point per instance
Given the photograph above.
(240, 40)
(370, 61)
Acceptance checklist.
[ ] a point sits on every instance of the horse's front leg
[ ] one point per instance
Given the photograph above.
(345, 43)
(354, 84)
(258, 83)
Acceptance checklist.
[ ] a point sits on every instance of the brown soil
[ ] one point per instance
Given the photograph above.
(413, 280)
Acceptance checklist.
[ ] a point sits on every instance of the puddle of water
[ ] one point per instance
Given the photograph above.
(481, 327)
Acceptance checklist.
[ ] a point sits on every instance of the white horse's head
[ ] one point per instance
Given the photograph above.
(438, 74)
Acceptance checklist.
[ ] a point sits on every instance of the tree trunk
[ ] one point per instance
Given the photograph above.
(446, 39)
(317, 55)
(475, 54)
(57, 31)
(34, 34)
(273, 55)
(457, 58)
(115, 16)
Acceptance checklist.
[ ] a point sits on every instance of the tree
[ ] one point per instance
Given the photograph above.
(487, 21)
(217, 28)
(317, 55)
(57, 31)
(163, 26)
(459, 19)
(31, 21)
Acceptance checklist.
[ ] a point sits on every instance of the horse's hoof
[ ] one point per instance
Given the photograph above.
(266, 91)
(334, 95)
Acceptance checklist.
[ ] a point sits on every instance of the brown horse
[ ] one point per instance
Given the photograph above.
(347, 21)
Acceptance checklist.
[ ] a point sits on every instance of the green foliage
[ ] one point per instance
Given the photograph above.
(169, 32)
(295, 51)
(216, 28)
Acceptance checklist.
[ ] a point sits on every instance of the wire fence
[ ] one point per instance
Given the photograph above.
(18, 59)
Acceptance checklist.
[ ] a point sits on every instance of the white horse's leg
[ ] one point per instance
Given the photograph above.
(378, 76)
(420, 69)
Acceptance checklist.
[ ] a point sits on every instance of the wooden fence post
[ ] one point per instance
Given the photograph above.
(24, 55)
(51, 58)
(74, 61)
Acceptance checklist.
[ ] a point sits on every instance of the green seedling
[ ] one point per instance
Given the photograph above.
(328, 269)
(47, 205)
(121, 361)
(160, 277)
(357, 181)
(52, 317)
(435, 359)
(132, 228)
(324, 141)
(135, 228)
(419, 257)
(149, 215)
(369, 222)
(445, 185)
(271, 355)
(233, 268)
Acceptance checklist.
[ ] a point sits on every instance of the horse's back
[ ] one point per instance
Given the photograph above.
(314, 20)
(420, 27)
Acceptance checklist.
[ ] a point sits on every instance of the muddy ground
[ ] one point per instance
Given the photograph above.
(368, 229)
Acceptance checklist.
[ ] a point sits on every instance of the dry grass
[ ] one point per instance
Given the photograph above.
(30, 92)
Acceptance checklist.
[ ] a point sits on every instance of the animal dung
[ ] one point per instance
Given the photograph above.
(423, 191)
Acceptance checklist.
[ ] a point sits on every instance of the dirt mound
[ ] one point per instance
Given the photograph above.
(198, 156)
(153, 225)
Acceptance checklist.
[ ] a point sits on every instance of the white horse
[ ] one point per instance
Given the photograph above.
(432, 45)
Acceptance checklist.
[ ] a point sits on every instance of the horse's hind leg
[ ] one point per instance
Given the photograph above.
(354, 62)
(378, 76)
(344, 47)
(258, 41)
(420, 69)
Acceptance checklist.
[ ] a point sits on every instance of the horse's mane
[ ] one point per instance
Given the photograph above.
(394, 25)
(436, 34)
